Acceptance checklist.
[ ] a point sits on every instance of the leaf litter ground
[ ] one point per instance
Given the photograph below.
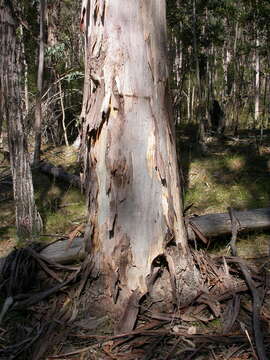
(57, 318)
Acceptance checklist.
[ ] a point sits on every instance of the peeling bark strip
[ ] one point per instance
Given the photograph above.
(28, 220)
(128, 147)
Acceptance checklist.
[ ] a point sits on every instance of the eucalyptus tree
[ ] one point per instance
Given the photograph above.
(135, 234)
(40, 75)
(28, 220)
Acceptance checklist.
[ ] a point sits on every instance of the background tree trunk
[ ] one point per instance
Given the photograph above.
(28, 220)
(200, 111)
(38, 110)
(257, 81)
(135, 226)
(25, 76)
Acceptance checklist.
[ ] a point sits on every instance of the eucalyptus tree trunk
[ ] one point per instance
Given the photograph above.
(257, 81)
(53, 21)
(235, 76)
(25, 76)
(38, 110)
(264, 122)
(226, 60)
(176, 61)
(200, 111)
(57, 129)
(135, 234)
(28, 220)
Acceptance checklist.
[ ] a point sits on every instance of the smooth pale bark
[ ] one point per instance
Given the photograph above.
(188, 96)
(128, 148)
(28, 220)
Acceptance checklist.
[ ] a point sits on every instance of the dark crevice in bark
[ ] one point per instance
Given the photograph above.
(111, 231)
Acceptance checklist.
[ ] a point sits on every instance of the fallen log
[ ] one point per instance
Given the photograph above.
(61, 251)
(212, 225)
(64, 252)
(60, 173)
(56, 171)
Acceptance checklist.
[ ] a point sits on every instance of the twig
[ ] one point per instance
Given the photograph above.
(53, 235)
(76, 352)
(37, 297)
(234, 351)
(198, 233)
(16, 349)
(195, 352)
(68, 204)
(251, 345)
(172, 352)
(150, 353)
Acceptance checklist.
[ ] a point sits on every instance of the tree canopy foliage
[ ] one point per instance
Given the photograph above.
(230, 36)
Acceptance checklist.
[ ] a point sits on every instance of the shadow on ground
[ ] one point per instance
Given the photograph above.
(234, 172)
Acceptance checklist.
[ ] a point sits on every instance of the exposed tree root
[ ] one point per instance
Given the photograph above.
(158, 335)
(65, 314)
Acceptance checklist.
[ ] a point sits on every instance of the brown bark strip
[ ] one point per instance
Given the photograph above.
(231, 313)
(257, 301)
(43, 265)
(31, 300)
(130, 314)
(197, 338)
(198, 232)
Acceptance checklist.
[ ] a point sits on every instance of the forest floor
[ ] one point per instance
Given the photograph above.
(62, 206)
(233, 173)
